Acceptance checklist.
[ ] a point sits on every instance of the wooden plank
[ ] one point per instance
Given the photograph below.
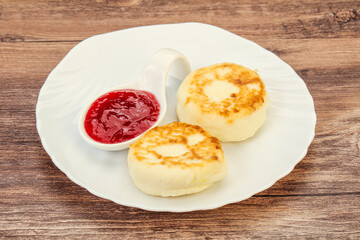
(39, 58)
(76, 20)
(67, 216)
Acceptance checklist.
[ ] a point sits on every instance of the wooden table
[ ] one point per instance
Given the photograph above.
(319, 198)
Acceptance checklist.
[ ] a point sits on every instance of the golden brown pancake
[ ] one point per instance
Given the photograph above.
(227, 100)
(176, 159)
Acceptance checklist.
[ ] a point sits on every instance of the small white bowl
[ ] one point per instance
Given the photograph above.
(152, 79)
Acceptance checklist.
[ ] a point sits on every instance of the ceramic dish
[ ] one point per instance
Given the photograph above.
(105, 61)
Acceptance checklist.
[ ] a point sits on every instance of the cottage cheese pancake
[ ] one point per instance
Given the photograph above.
(176, 159)
(227, 100)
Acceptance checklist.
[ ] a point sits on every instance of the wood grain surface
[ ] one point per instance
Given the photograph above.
(320, 198)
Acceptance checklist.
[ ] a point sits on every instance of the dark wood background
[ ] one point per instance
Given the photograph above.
(320, 198)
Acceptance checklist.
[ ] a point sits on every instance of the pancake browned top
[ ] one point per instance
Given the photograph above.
(249, 97)
(194, 146)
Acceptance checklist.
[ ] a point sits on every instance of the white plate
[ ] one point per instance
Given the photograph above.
(105, 61)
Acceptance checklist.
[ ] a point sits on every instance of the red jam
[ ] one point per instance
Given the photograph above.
(121, 115)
